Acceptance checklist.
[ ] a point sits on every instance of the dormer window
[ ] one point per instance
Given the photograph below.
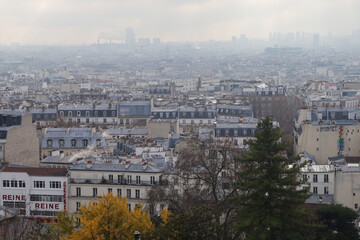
(85, 142)
(98, 142)
(61, 143)
(70, 113)
(73, 143)
(49, 143)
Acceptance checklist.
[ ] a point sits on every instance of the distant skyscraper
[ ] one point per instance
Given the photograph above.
(156, 41)
(130, 37)
(316, 40)
(234, 40)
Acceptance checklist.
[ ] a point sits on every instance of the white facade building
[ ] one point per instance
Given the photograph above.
(35, 192)
(91, 180)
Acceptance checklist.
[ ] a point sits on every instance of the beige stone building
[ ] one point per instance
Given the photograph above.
(326, 138)
(19, 143)
(162, 127)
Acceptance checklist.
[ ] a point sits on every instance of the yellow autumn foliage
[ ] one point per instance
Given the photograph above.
(109, 218)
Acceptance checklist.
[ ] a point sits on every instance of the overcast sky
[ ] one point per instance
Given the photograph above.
(83, 21)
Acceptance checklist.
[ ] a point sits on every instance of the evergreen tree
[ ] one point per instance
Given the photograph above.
(338, 222)
(270, 200)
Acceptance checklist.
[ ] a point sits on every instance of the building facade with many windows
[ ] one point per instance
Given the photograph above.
(34, 192)
(89, 181)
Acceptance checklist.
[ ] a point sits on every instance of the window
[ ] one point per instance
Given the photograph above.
(94, 192)
(61, 113)
(176, 181)
(129, 179)
(104, 121)
(98, 142)
(6, 183)
(128, 193)
(104, 113)
(111, 178)
(192, 121)
(315, 190)
(315, 179)
(152, 180)
(201, 121)
(184, 121)
(46, 198)
(120, 178)
(49, 143)
(14, 183)
(137, 194)
(326, 178)
(78, 113)
(138, 180)
(326, 190)
(21, 183)
(39, 184)
(70, 113)
(85, 142)
(73, 143)
(77, 206)
(119, 192)
(96, 113)
(78, 191)
(109, 190)
(54, 184)
(209, 121)
(87, 114)
(129, 205)
(305, 177)
(356, 205)
(113, 114)
(87, 120)
(61, 143)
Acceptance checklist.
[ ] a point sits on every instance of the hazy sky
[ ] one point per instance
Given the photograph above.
(82, 21)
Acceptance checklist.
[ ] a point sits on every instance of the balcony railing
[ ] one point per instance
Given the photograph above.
(113, 182)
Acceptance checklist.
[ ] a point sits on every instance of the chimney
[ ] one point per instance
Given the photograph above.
(89, 164)
(127, 164)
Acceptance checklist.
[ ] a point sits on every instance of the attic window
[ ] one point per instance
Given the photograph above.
(49, 143)
(98, 142)
(61, 143)
(73, 143)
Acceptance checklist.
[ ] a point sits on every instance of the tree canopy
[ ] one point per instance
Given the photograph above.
(109, 218)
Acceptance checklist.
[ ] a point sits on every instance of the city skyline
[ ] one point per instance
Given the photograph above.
(82, 22)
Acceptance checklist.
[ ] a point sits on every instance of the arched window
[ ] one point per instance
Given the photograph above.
(61, 143)
(73, 143)
(49, 143)
(98, 142)
(85, 142)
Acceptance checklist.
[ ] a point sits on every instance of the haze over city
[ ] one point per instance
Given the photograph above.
(82, 22)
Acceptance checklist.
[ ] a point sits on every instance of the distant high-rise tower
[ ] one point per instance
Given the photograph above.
(234, 40)
(130, 37)
(156, 41)
(316, 40)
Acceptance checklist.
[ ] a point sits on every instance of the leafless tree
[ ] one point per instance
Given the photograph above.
(203, 176)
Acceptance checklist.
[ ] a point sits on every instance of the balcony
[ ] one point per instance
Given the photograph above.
(112, 182)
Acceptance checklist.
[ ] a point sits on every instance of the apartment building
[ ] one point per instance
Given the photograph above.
(34, 192)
